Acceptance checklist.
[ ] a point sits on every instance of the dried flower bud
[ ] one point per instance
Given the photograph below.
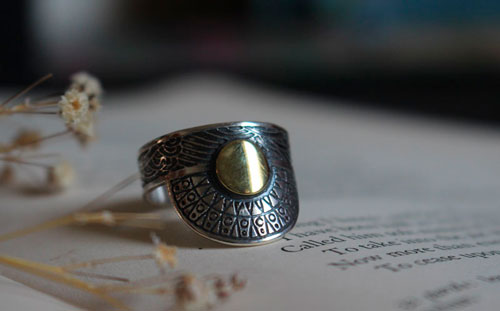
(4, 148)
(194, 294)
(60, 176)
(28, 139)
(7, 175)
(94, 104)
(222, 288)
(84, 82)
(84, 131)
(237, 283)
(108, 218)
(163, 254)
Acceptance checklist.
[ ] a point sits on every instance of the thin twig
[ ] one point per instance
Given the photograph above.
(96, 262)
(57, 274)
(19, 161)
(34, 112)
(39, 156)
(108, 193)
(100, 276)
(81, 219)
(26, 90)
(141, 283)
(37, 141)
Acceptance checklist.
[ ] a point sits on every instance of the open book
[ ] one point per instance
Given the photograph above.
(396, 213)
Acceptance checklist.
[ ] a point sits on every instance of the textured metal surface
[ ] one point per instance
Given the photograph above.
(183, 164)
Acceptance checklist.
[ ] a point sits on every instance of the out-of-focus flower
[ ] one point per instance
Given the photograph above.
(192, 294)
(163, 254)
(90, 85)
(60, 176)
(84, 130)
(87, 83)
(224, 289)
(75, 111)
(237, 282)
(28, 139)
(7, 175)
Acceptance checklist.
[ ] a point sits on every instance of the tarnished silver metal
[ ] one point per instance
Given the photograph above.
(230, 182)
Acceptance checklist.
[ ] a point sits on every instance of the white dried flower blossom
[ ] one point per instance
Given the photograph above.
(60, 176)
(86, 83)
(85, 126)
(74, 107)
(192, 294)
(163, 254)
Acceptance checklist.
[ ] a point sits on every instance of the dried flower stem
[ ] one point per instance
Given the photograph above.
(40, 155)
(59, 275)
(33, 142)
(82, 219)
(20, 161)
(26, 90)
(45, 103)
(108, 193)
(100, 276)
(96, 262)
(34, 112)
(148, 282)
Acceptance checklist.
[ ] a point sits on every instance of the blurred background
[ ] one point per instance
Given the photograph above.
(438, 58)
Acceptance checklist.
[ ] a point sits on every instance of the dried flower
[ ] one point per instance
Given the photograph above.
(7, 175)
(84, 131)
(28, 139)
(237, 283)
(60, 176)
(74, 107)
(163, 254)
(94, 104)
(86, 83)
(192, 293)
(4, 148)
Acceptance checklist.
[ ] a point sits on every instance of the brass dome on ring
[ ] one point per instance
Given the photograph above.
(241, 167)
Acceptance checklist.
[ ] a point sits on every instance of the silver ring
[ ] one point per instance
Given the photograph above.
(230, 182)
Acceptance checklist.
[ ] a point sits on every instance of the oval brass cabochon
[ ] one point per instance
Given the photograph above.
(241, 167)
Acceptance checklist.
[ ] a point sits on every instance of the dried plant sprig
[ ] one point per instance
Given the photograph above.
(100, 276)
(90, 85)
(7, 175)
(59, 275)
(192, 293)
(60, 176)
(95, 203)
(76, 107)
(100, 218)
(28, 139)
(85, 216)
(26, 90)
(163, 254)
(97, 262)
(26, 144)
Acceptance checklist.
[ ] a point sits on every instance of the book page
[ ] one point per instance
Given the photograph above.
(396, 213)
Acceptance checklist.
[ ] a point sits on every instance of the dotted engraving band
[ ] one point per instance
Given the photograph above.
(200, 199)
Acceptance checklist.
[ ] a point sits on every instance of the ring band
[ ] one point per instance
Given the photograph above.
(230, 182)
